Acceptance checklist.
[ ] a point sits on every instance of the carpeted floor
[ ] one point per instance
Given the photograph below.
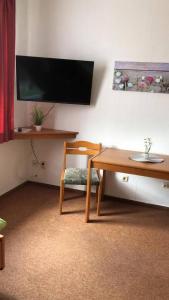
(124, 254)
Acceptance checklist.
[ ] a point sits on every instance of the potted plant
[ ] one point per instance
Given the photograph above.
(37, 118)
(147, 147)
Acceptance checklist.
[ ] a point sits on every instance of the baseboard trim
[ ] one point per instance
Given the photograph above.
(107, 197)
(56, 187)
(52, 186)
(134, 202)
(14, 189)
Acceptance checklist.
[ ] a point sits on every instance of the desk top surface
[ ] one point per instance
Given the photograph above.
(117, 157)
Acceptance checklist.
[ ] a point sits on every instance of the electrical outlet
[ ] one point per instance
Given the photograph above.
(125, 178)
(43, 164)
(166, 185)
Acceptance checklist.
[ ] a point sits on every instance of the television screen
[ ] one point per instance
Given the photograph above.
(54, 80)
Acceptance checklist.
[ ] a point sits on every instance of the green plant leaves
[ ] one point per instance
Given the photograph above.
(37, 116)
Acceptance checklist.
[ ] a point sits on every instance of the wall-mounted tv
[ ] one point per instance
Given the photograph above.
(54, 80)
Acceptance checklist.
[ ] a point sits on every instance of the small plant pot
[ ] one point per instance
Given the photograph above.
(38, 127)
(146, 155)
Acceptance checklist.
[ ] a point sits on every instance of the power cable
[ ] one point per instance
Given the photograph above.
(50, 110)
(34, 153)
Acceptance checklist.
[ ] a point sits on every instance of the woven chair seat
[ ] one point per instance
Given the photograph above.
(78, 176)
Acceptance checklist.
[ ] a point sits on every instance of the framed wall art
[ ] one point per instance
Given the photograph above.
(141, 77)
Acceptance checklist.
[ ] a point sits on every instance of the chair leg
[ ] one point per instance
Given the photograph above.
(97, 191)
(87, 210)
(2, 252)
(61, 196)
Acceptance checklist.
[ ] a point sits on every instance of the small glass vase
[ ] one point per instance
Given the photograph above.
(146, 155)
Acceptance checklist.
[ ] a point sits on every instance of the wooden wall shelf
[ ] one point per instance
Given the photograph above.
(45, 133)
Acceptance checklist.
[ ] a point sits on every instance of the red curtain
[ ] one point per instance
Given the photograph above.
(7, 68)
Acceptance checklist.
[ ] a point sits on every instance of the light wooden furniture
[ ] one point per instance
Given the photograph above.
(78, 176)
(45, 133)
(2, 252)
(116, 160)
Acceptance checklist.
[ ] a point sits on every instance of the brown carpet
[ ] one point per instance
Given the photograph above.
(124, 254)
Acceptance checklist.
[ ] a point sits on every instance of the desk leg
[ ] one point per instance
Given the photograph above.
(87, 212)
(104, 179)
(101, 192)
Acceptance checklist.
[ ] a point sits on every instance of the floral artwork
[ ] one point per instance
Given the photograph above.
(142, 77)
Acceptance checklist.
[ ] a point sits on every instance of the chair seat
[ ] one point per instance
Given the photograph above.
(2, 224)
(78, 176)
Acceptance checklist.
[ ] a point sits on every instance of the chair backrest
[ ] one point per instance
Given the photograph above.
(81, 148)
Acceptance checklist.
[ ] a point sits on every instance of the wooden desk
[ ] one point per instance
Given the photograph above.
(116, 160)
(45, 133)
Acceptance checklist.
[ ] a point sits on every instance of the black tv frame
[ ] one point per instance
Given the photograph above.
(19, 98)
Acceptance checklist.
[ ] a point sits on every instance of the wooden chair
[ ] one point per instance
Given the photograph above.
(2, 245)
(78, 176)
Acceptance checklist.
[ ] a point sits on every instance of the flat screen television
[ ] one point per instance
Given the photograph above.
(54, 80)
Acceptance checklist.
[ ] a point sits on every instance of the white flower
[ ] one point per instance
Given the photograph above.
(118, 80)
(118, 74)
(121, 86)
(157, 80)
(129, 84)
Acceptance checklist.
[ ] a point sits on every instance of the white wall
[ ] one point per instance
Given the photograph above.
(13, 155)
(105, 31)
